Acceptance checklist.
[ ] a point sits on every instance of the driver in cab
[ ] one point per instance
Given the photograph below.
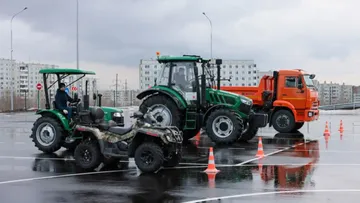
(61, 99)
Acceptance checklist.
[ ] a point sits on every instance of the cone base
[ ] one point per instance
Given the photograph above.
(212, 170)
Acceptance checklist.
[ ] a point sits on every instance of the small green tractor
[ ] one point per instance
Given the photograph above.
(185, 97)
(52, 130)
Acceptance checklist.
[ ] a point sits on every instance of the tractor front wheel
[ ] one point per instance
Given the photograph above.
(47, 134)
(223, 126)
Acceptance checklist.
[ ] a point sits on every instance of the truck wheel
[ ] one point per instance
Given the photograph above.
(299, 125)
(223, 126)
(149, 157)
(249, 132)
(87, 155)
(47, 134)
(166, 112)
(283, 121)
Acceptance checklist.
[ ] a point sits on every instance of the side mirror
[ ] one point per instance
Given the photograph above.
(312, 76)
(94, 96)
(76, 96)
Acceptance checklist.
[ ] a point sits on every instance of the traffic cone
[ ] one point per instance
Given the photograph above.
(341, 128)
(211, 165)
(197, 139)
(260, 152)
(326, 131)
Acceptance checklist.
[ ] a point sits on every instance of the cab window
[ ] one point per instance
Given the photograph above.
(290, 82)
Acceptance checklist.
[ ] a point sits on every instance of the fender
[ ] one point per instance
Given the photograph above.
(94, 133)
(55, 114)
(281, 104)
(176, 97)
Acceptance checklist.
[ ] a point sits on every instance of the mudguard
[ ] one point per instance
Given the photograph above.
(56, 114)
(175, 96)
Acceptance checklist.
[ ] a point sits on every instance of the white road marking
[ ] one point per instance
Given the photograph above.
(270, 193)
(62, 176)
(20, 142)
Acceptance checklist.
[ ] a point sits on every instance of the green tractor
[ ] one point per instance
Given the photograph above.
(52, 130)
(186, 98)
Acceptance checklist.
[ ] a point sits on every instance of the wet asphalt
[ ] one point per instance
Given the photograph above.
(297, 167)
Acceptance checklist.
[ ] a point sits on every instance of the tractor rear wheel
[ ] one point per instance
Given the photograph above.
(166, 112)
(47, 134)
(223, 126)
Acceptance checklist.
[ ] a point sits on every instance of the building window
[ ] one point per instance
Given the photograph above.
(249, 84)
(254, 71)
(230, 72)
(237, 72)
(236, 78)
(236, 66)
(243, 78)
(249, 72)
(230, 66)
(147, 66)
(243, 84)
(254, 83)
(243, 66)
(249, 66)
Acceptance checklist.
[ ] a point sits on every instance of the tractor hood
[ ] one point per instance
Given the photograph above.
(244, 99)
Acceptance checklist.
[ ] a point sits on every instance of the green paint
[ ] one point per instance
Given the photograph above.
(58, 115)
(66, 71)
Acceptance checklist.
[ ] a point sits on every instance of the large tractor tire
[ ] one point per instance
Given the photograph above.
(223, 126)
(249, 132)
(283, 121)
(166, 113)
(47, 134)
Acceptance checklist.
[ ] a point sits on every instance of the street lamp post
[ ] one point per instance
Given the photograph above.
(77, 34)
(210, 34)
(11, 59)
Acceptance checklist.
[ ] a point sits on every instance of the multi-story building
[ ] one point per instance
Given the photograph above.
(234, 73)
(334, 93)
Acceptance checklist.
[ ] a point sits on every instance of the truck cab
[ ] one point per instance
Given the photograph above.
(288, 96)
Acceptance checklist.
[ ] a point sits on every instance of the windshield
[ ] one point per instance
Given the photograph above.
(309, 82)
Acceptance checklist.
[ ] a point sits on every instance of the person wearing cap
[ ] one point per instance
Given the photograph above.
(61, 99)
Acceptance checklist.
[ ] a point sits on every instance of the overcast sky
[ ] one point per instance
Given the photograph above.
(319, 36)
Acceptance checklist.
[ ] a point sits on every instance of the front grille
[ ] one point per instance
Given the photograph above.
(245, 108)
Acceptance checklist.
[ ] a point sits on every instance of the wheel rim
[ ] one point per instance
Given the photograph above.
(162, 114)
(86, 156)
(222, 126)
(147, 157)
(283, 121)
(45, 134)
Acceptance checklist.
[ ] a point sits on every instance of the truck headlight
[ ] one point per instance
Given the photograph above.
(247, 102)
(310, 114)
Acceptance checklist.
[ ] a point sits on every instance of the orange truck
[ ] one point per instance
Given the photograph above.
(288, 96)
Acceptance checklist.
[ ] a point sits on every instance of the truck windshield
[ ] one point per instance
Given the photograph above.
(308, 81)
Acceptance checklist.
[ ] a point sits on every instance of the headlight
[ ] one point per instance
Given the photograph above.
(117, 114)
(169, 138)
(247, 102)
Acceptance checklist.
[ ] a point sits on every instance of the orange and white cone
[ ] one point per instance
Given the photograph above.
(341, 129)
(326, 131)
(211, 179)
(260, 152)
(211, 165)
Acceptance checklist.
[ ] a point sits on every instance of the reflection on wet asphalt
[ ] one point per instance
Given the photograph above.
(298, 161)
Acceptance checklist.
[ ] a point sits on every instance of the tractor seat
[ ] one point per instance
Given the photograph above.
(120, 130)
